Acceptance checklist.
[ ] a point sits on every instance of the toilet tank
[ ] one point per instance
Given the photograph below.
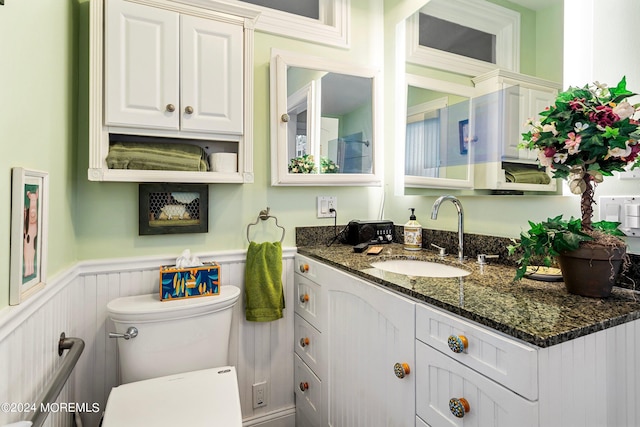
(173, 336)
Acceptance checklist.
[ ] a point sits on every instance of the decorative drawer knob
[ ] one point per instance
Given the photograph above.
(304, 342)
(457, 343)
(171, 108)
(304, 386)
(459, 407)
(304, 268)
(284, 117)
(401, 370)
(188, 109)
(304, 298)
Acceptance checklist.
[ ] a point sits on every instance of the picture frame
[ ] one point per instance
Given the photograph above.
(29, 233)
(168, 208)
(463, 130)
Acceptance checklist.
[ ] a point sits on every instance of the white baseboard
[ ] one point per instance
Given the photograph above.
(282, 418)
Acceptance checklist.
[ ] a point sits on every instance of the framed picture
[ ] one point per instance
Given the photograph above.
(463, 129)
(29, 228)
(173, 208)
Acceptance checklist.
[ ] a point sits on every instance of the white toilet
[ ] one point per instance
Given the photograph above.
(173, 358)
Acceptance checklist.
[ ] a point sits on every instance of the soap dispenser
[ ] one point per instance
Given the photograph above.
(412, 233)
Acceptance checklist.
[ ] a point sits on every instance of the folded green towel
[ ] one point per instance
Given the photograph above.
(160, 156)
(263, 282)
(525, 175)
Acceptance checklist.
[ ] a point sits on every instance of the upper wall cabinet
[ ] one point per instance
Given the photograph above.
(175, 92)
(324, 122)
(506, 101)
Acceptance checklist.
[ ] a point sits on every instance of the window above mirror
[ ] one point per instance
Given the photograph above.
(465, 37)
(324, 122)
(318, 21)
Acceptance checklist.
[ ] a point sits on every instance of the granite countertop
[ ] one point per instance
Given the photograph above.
(537, 312)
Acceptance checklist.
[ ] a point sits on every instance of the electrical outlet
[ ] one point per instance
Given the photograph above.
(260, 395)
(325, 204)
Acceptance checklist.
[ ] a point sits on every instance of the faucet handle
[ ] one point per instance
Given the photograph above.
(443, 251)
(482, 258)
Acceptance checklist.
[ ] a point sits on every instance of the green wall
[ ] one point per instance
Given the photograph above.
(110, 229)
(43, 117)
(38, 74)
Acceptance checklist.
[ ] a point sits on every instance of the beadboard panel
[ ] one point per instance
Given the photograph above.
(29, 336)
(76, 304)
(573, 395)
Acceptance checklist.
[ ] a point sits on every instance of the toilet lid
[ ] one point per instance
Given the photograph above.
(200, 398)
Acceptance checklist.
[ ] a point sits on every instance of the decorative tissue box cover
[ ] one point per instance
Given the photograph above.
(178, 283)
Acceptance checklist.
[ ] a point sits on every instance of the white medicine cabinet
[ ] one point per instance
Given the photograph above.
(164, 76)
(325, 122)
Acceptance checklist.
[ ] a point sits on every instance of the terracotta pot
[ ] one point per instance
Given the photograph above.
(591, 272)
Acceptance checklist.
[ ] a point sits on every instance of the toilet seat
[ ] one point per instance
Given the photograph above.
(207, 397)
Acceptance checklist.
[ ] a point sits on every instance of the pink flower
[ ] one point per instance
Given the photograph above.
(549, 151)
(603, 116)
(572, 143)
(577, 104)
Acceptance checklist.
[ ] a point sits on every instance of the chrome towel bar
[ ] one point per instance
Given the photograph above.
(264, 215)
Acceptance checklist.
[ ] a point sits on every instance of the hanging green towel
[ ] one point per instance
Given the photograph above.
(263, 282)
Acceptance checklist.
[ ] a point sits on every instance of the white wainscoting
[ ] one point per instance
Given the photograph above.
(75, 302)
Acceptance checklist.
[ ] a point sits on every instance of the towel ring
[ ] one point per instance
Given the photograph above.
(264, 215)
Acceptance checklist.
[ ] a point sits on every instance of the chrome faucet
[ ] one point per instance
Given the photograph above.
(458, 205)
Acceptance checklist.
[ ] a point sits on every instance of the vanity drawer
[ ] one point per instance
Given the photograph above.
(439, 379)
(308, 300)
(308, 391)
(505, 360)
(307, 343)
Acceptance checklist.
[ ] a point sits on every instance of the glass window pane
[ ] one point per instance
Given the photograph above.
(308, 8)
(454, 38)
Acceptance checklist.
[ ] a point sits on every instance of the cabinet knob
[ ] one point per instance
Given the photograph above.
(304, 298)
(284, 117)
(188, 109)
(459, 406)
(171, 108)
(401, 370)
(304, 342)
(457, 343)
(304, 386)
(304, 268)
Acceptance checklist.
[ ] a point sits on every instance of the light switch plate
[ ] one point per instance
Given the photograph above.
(622, 209)
(325, 204)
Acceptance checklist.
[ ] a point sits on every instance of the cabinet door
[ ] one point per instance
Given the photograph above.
(440, 378)
(142, 63)
(212, 77)
(539, 100)
(516, 109)
(368, 330)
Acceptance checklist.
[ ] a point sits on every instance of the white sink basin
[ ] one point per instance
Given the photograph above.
(411, 267)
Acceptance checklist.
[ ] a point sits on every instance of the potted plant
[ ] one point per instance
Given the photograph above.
(587, 134)
(328, 166)
(302, 164)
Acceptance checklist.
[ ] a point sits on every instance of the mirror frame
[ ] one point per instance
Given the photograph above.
(412, 181)
(280, 175)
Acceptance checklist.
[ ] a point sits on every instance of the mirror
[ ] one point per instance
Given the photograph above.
(325, 127)
(437, 129)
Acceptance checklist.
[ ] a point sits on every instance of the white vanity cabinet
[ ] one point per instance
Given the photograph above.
(165, 71)
(363, 329)
(493, 376)
(504, 102)
(366, 352)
